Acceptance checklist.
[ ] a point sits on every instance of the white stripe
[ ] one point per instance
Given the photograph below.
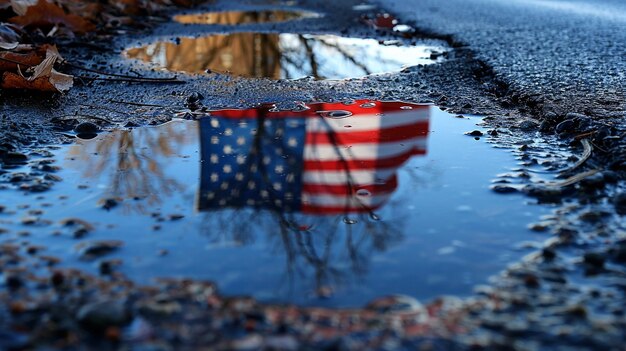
(367, 151)
(339, 201)
(367, 122)
(357, 177)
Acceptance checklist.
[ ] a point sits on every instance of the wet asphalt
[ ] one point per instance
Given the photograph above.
(568, 56)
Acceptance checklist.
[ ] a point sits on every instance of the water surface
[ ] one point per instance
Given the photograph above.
(331, 204)
(243, 17)
(290, 56)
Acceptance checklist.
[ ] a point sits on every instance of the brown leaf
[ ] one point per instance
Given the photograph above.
(45, 15)
(28, 59)
(43, 78)
(12, 80)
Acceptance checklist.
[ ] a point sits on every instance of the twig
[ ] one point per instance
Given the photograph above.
(587, 149)
(67, 118)
(573, 179)
(104, 108)
(134, 80)
(114, 74)
(15, 62)
(136, 103)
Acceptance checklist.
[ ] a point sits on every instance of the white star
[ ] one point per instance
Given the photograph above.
(264, 194)
(250, 202)
(214, 158)
(214, 177)
(292, 142)
(227, 169)
(241, 159)
(266, 160)
(241, 141)
(277, 186)
(228, 149)
(215, 140)
(279, 169)
(224, 185)
(251, 185)
(239, 176)
(215, 123)
(290, 178)
(210, 195)
(228, 132)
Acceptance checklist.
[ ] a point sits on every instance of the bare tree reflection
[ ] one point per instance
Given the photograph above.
(270, 55)
(132, 161)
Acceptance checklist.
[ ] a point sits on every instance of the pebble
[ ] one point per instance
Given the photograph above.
(102, 315)
(87, 128)
(594, 259)
(15, 158)
(93, 249)
(528, 125)
(619, 201)
(474, 133)
(503, 189)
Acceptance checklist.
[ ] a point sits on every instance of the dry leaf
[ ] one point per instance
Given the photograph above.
(45, 15)
(21, 6)
(9, 36)
(27, 59)
(43, 78)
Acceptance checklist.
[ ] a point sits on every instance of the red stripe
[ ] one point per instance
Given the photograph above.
(353, 165)
(343, 189)
(355, 109)
(398, 133)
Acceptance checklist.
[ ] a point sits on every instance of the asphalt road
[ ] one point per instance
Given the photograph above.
(567, 56)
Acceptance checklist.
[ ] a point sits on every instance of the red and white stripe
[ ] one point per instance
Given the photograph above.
(350, 164)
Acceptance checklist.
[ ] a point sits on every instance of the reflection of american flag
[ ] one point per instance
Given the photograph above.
(306, 162)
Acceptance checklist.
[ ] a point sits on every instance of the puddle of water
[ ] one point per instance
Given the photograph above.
(289, 56)
(243, 17)
(334, 205)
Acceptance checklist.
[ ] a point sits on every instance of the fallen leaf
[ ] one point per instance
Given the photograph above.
(46, 15)
(21, 6)
(9, 36)
(29, 59)
(44, 77)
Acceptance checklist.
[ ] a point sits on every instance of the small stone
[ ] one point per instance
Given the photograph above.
(594, 259)
(475, 133)
(548, 254)
(175, 217)
(109, 203)
(102, 315)
(57, 279)
(95, 249)
(15, 158)
(619, 201)
(503, 189)
(13, 282)
(528, 125)
(87, 128)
